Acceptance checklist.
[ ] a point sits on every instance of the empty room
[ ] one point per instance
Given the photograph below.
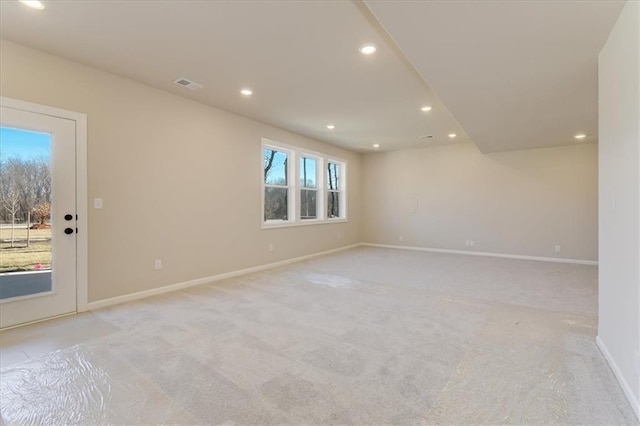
(320, 212)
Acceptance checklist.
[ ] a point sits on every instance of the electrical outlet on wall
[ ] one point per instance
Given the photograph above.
(271, 247)
(158, 264)
(400, 238)
(558, 248)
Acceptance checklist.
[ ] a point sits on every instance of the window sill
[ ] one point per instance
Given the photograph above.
(287, 224)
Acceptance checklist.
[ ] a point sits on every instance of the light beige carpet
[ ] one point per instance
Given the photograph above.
(366, 336)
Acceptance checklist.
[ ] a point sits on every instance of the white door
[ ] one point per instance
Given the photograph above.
(37, 216)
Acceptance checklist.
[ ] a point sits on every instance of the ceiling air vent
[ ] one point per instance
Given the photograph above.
(188, 84)
(426, 137)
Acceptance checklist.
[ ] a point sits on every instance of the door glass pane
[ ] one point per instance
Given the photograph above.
(308, 204)
(25, 212)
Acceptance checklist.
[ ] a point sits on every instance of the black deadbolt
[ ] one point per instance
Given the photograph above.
(68, 217)
(68, 231)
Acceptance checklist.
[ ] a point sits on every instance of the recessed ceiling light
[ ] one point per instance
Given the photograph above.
(452, 135)
(580, 136)
(331, 126)
(425, 109)
(368, 49)
(376, 145)
(247, 92)
(33, 4)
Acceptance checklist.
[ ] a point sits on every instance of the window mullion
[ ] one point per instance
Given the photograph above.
(294, 204)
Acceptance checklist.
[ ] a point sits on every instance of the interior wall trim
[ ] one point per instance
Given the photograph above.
(186, 284)
(635, 403)
(205, 280)
(490, 254)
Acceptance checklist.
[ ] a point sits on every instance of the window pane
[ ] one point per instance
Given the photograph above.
(308, 204)
(333, 176)
(333, 204)
(275, 167)
(307, 172)
(275, 203)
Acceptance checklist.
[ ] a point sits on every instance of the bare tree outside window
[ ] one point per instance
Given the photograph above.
(11, 196)
(309, 189)
(25, 184)
(25, 192)
(276, 190)
(333, 190)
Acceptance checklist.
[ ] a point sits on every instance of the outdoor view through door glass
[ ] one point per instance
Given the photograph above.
(25, 213)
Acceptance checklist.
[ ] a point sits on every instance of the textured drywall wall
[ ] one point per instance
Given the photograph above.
(521, 202)
(180, 180)
(619, 134)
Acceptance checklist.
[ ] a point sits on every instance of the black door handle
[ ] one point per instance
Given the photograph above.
(68, 217)
(68, 231)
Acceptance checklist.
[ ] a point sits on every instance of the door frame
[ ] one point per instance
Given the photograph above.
(82, 237)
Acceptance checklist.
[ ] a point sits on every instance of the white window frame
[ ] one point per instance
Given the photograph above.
(319, 204)
(342, 188)
(290, 184)
(295, 187)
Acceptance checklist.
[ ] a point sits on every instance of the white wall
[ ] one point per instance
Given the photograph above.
(519, 202)
(619, 153)
(180, 180)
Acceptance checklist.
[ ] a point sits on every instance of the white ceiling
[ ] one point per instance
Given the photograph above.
(516, 75)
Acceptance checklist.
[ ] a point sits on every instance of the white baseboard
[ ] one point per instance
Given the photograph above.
(633, 400)
(173, 287)
(38, 320)
(484, 253)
